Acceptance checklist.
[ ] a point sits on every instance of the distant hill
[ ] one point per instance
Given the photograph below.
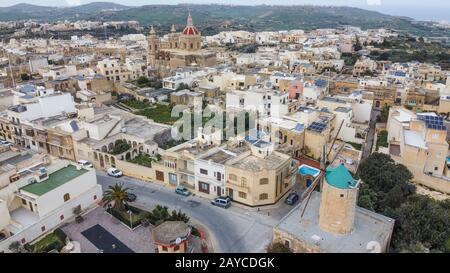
(27, 11)
(214, 18)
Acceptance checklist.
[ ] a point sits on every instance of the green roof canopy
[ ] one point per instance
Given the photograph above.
(54, 180)
(340, 177)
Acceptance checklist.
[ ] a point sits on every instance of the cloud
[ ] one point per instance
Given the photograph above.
(374, 2)
(73, 2)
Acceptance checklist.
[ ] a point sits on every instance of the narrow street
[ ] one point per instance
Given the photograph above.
(367, 149)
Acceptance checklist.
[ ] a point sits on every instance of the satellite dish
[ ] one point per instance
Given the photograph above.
(178, 241)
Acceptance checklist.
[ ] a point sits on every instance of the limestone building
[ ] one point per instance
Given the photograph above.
(178, 49)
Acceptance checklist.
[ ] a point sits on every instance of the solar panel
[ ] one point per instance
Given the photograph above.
(317, 127)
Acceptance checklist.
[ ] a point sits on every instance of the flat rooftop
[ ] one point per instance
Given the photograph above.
(56, 179)
(219, 157)
(257, 164)
(369, 226)
(143, 129)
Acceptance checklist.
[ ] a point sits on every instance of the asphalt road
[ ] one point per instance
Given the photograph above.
(235, 229)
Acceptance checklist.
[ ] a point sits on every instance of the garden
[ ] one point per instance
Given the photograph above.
(382, 140)
(145, 160)
(160, 113)
(357, 146)
(115, 200)
(53, 241)
(120, 146)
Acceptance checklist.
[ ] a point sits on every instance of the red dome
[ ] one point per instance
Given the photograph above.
(190, 30)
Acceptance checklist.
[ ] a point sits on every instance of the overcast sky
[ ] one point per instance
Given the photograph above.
(419, 9)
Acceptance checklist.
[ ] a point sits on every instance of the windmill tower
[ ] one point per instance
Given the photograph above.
(338, 201)
(339, 194)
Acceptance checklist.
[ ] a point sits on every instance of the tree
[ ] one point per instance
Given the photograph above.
(384, 114)
(422, 220)
(278, 248)
(116, 195)
(15, 247)
(385, 183)
(183, 86)
(357, 46)
(142, 80)
(25, 77)
(178, 216)
(161, 214)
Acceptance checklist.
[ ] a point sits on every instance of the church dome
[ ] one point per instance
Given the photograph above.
(190, 29)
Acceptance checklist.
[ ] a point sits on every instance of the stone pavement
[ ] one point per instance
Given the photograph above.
(139, 240)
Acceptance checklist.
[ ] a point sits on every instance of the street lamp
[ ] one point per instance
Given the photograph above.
(131, 220)
(110, 211)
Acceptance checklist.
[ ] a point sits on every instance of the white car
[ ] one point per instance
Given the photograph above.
(5, 143)
(85, 163)
(114, 172)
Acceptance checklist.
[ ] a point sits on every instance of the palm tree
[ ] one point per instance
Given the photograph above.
(116, 195)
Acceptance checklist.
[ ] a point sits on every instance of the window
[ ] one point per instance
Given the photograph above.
(232, 177)
(342, 195)
(176, 248)
(61, 217)
(66, 197)
(43, 228)
(95, 197)
(23, 241)
(242, 195)
(203, 171)
(287, 243)
(24, 202)
(164, 248)
(263, 181)
(263, 196)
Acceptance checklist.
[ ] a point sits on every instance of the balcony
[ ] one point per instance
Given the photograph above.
(184, 170)
(237, 186)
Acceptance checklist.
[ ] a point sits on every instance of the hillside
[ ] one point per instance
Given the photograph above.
(214, 18)
(43, 13)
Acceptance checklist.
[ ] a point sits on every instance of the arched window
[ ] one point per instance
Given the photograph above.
(66, 197)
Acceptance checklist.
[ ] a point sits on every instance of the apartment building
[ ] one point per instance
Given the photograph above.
(264, 101)
(116, 71)
(419, 141)
(39, 196)
(259, 176)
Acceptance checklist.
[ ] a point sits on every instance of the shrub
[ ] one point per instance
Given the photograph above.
(278, 248)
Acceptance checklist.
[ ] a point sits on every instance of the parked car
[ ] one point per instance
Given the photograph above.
(291, 199)
(131, 197)
(182, 191)
(5, 143)
(114, 172)
(223, 202)
(85, 163)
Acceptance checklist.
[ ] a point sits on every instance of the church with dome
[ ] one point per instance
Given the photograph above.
(178, 49)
